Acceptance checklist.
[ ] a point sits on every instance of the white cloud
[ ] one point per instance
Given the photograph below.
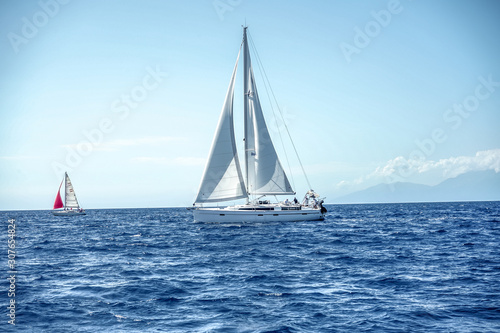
(400, 168)
(453, 166)
(483, 160)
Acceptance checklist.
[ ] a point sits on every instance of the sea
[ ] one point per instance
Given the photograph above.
(414, 267)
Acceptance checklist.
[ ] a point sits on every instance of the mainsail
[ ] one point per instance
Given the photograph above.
(264, 173)
(70, 200)
(222, 179)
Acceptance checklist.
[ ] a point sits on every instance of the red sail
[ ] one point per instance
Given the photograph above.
(58, 203)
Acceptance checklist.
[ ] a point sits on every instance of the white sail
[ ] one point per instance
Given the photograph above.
(264, 173)
(70, 200)
(222, 179)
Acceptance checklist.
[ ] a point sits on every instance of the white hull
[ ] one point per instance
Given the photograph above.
(233, 215)
(68, 212)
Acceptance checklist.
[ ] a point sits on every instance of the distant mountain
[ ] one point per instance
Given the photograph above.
(471, 186)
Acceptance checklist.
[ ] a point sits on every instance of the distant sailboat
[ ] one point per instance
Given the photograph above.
(223, 179)
(70, 205)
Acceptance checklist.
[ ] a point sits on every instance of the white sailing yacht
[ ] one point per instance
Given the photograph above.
(70, 205)
(223, 179)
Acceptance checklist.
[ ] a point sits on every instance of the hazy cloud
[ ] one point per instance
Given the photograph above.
(18, 158)
(178, 161)
(115, 145)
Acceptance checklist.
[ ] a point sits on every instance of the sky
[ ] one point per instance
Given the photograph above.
(125, 95)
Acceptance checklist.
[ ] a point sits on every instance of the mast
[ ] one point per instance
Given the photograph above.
(245, 103)
(65, 188)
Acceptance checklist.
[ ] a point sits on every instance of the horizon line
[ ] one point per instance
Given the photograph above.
(337, 204)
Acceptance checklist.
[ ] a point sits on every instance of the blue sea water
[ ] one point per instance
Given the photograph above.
(426, 267)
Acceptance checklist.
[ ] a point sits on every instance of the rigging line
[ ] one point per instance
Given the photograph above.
(261, 69)
(281, 113)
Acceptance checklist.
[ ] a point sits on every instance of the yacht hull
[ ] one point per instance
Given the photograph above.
(68, 213)
(230, 215)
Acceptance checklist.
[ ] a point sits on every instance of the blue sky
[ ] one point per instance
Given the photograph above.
(371, 91)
